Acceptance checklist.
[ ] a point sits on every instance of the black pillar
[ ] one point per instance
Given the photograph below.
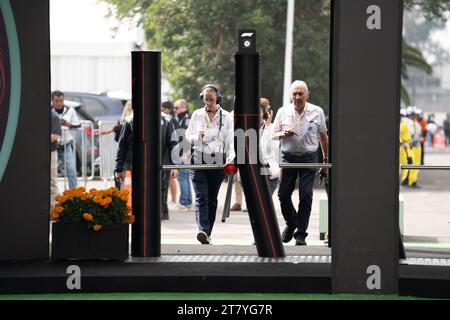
(146, 91)
(24, 129)
(366, 99)
(256, 188)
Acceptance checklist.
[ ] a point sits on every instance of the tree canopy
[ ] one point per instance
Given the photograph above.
(198, 40)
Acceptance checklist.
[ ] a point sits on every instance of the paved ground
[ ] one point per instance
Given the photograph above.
(426, 221)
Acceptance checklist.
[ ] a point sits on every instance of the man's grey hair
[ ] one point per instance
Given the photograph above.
(182, 102)
(299, 83)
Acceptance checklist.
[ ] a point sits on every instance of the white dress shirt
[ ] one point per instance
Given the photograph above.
(307, 126)
(219, 133)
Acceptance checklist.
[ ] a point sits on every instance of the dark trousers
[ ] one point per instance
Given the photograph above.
(206, 187)
(297, 219)
(165, 174)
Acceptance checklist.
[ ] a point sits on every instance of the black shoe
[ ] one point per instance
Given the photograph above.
(287, 234)
(415, 186)
(300, 242)
(405, 183)
(165, 217)
(202, 237)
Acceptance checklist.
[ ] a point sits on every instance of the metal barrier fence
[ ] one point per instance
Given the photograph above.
(94, 153)
(107, 150)
(83, 145)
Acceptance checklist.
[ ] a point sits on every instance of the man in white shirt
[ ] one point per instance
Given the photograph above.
(301, 128)
(211, 135)
(69, 120)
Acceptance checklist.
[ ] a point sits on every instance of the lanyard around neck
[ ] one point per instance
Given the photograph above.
(208, 121)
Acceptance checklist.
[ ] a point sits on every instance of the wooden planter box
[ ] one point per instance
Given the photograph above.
(77, 242)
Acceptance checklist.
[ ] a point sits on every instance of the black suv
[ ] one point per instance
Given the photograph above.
(98, 106)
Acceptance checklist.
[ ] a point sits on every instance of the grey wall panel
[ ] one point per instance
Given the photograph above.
(366, 98)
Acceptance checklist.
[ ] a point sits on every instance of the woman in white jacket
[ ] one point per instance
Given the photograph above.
(270, 148)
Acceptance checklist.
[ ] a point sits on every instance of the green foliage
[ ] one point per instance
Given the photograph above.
(432, 9)
(436, 13)
(198, 40)
(411, 57)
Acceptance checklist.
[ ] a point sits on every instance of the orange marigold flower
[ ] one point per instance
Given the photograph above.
(132, 218)
(97, 199)
(93, 191)
(114, 190)
(60, 198)
(88, 217)
(97, 227)
(123, 193)
(59, 209)
(54, 214)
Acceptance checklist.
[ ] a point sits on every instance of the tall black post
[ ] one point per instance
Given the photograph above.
(366, 84)
(146, 90)
(24, 130)
(256, 187)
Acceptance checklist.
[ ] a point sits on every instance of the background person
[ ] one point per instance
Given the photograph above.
(182, 118)
(69, 120)
(238, 193)
(125, 156)
(167, 112)
(55, 134)
(446, 126)
(423, 125)
(270, 148)
(127, 115)
(432, 128)
(405, 143)
(415, 132)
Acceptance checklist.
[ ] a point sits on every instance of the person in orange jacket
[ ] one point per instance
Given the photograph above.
(423, 125)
